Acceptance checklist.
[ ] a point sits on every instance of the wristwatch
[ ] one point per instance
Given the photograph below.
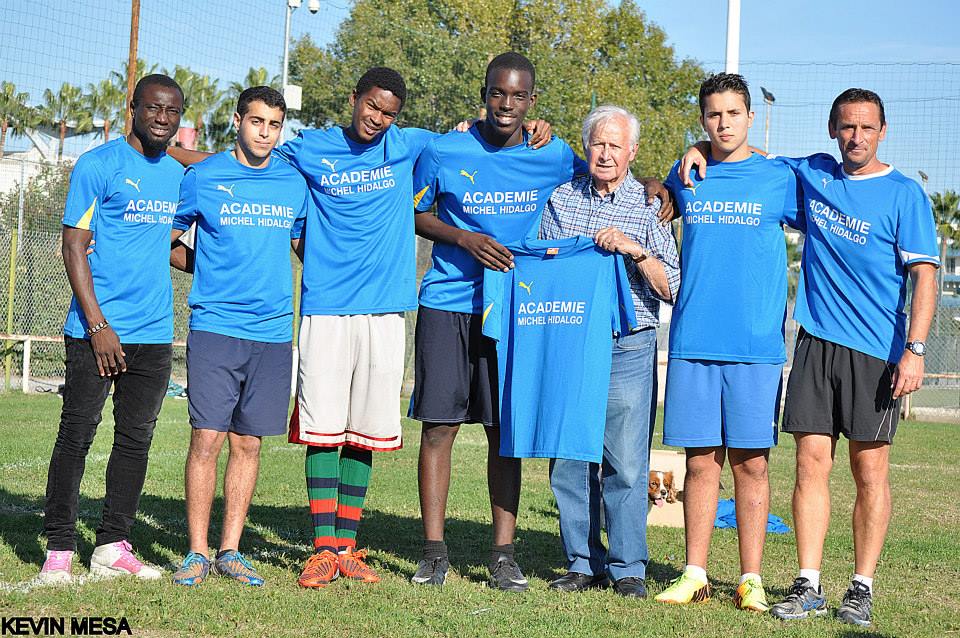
(643, 255)
(917, 347)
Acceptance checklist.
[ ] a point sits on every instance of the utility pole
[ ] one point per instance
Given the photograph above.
(733, 37)
(132, 59)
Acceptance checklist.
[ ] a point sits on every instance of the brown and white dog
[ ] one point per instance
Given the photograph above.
(661, 488)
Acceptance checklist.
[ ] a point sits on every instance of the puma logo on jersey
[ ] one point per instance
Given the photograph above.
(826, 180)
(226, 189)
(692, 188)
(332, 165)
(469, 176)
(135, 184)
(526, 286)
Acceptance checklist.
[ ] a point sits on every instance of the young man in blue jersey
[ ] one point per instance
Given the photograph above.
(248, 209)
(490, 188)
(119, 328)
(868, 228)
(726, 339)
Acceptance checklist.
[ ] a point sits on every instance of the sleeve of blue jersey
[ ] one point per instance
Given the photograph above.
(426, 177)
(417, 139)
(88, 185)
(673, 183)
(624, 316)
(296, 231)
(794, 214)
(916, 229)
(187, 207)
(289, 151)
(494, 285)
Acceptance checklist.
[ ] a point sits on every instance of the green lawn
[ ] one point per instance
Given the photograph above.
(916, 582)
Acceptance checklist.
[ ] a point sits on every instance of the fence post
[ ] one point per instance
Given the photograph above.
(25, 373)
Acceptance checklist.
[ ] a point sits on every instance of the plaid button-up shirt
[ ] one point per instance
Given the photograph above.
(576, 208)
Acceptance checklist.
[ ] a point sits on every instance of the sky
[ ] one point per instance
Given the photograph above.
(46, 42)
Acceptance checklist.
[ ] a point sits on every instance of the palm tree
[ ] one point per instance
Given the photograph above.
(201, 94)
(220, 124)
(14, 111)
(946, 214)
(65, 109)
(106, 101)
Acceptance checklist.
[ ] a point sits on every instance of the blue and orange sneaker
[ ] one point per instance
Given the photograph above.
(193, 570)
(235, 565)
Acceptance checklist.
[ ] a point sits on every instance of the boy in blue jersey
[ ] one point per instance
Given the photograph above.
(248, 210)
(868, 228)
(726, 338)
(490, 188)
(119, 328)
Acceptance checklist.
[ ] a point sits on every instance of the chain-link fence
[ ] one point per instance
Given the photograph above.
(73, 83)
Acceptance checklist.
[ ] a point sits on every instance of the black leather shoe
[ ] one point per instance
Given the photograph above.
(575, 581)
(631, 587)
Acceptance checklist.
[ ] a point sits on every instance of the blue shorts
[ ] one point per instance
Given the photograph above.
(238, 385)
(719, 403)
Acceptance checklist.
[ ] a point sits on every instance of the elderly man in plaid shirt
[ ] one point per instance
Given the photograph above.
(611, 206)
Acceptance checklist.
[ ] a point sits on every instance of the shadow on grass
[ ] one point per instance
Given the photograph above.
(862, 633)
(161, 529)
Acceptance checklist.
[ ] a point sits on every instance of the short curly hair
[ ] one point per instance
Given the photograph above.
(387, 79)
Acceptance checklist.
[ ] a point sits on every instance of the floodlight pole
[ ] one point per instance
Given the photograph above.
(292, 5)
(733, 37)
(132, 60)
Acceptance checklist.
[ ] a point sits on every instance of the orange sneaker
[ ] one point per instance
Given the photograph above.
(319, 571)
(352, 566)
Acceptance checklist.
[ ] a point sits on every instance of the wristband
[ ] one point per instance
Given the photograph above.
(642, 257)
(92, 330)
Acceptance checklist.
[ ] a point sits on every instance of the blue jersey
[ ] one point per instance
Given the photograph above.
(553, 317)
(862, 233)
(246, 217)
(733, 261)
(359, 255)
(128, 201)
(486, 189)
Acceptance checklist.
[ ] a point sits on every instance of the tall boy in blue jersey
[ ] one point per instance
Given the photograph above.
(248, 210)
(119, 329)
(726, 338)
(868, 227)
(490, 188)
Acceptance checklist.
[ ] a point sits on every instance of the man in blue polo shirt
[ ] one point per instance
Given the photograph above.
(247, 209)
(868, 227)
(119, 328)
(726, 337)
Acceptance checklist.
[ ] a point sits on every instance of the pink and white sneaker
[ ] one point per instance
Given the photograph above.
(117, 559)
(56, 568)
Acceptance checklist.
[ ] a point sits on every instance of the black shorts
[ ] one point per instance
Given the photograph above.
(455, 370)
(835, 390)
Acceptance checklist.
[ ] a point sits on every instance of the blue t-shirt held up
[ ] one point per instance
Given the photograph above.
(359, 253)
(245, 217)
(496, 191)
(862, 233)
(733, 261)
(553, 317)
(128, 201)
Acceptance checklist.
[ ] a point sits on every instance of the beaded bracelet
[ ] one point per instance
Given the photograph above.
(97, 328)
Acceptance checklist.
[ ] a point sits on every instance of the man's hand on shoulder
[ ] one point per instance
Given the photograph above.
(486, 250)
(908, 375)
(696, 155)
(656, 190)
(539, 132)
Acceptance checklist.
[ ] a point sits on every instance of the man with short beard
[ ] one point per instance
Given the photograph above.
(119, 328)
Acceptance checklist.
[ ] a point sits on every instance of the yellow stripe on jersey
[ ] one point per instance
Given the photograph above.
(419, 196)
(486, 312)
(84, 222)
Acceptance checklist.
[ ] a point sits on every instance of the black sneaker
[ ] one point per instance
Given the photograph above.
(855, 608)
(431, 572)
(506, 576)
(803, 601)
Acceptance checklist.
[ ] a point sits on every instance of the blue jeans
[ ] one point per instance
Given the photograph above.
(622, 477)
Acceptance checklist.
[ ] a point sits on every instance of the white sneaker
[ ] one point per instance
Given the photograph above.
(56, 568)
(117, 559)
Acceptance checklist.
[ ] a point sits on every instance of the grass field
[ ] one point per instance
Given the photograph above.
(916, 582)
